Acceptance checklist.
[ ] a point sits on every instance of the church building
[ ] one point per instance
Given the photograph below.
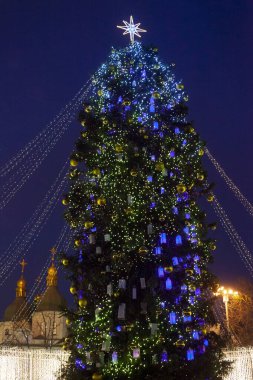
(41, 326)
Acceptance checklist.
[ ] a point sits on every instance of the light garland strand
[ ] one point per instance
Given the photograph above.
(31, 230)
(234, 237)
(36, 141)
(28, 164)
(248, 206)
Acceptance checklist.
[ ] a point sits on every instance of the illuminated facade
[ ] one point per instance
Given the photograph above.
(46, 326)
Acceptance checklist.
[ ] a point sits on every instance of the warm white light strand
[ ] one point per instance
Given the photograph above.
(36, 142)
(24, 172)
(31, 230)
(248, 206)
(44, 364)
(35, 364)
(234, 237)
(20, 237)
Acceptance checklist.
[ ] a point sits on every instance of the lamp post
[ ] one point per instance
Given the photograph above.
(226, 294)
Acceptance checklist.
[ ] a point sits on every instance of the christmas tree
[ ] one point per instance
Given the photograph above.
(139, 269)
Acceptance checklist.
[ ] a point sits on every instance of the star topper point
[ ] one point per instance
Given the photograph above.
(131, 29)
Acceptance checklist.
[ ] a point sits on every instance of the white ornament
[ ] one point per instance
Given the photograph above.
(122, 311)
(136, 353)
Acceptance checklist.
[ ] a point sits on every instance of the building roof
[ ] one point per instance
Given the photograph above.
(16, 310)
(52, 300)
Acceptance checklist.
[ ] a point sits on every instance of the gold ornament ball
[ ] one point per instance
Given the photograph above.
(101, 202)
(181, 188)
(97, 376)
(82, 302)
(72, 290)
(88, 224)
(87, 109)
(156, 95)
(68, 321)
(201, 152)
(96, 171)
(159, 166)
(200, 177)
(77, 243)
(126, 102)
(73, 162)
(180, 86)
(213, 247)
(168, 269)
(133, 173)
(65, 262)
(64, 201)
(100, 92)
(180, 343)
(119, 148)
(210, 197)
(84, 134)
(83, 123)
(189, 271)
(143, 250)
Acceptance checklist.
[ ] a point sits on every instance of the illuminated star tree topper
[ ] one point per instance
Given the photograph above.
(131, 28)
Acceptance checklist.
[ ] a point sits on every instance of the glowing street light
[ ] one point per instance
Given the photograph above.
(227, 295)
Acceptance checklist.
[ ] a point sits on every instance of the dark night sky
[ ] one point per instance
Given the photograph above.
(50, 48)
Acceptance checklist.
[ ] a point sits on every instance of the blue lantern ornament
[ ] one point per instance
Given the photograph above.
(187, 318)
(164, 356)
(168, 284)
(190, 354)
(163, 238)
(179, 240)
(160, 272)
(174, 261)
(172, 317)
(206, 343)
(155, 125)
(158, 250)
(152, 108)
(80, 364)
(195, 335)
(175, 210)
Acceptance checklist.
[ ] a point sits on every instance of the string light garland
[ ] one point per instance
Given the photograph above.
(247, 205)
(35, 143)
(27, 236)
(234, 237)
(44, 364)
(31, 157)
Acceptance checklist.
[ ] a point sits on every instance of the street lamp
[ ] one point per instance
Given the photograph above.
(227, 294)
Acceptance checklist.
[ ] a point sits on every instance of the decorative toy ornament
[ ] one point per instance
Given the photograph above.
(73, 162)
